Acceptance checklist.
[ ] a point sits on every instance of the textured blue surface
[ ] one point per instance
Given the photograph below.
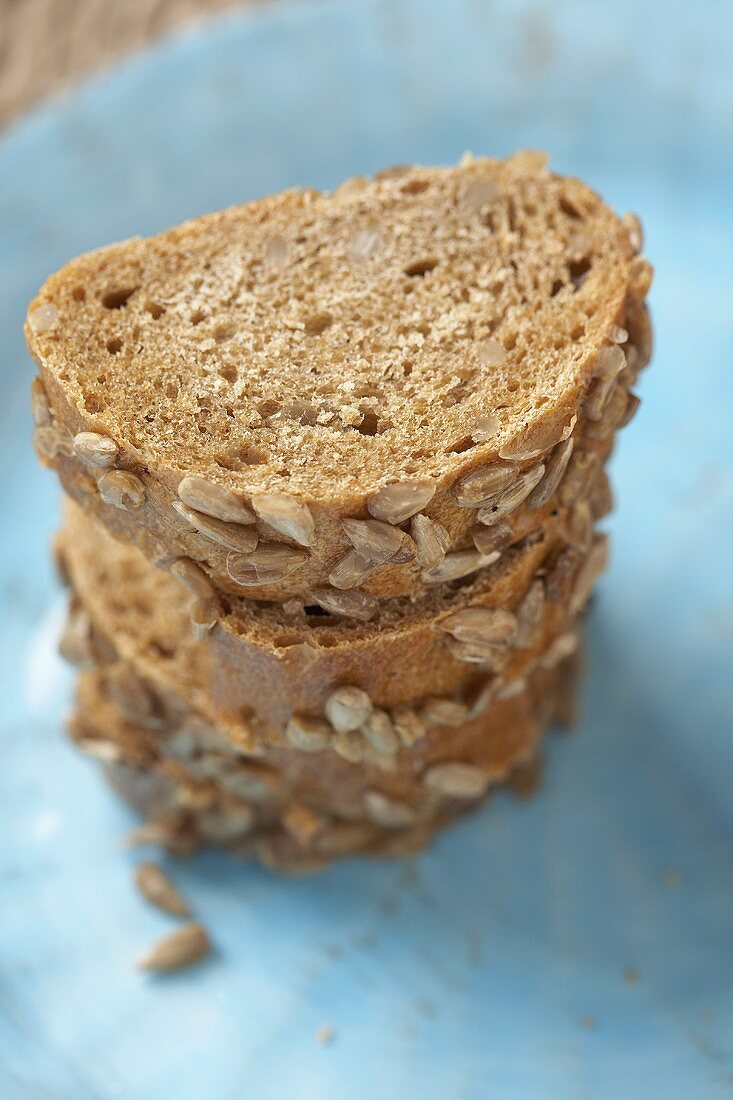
(477, 970)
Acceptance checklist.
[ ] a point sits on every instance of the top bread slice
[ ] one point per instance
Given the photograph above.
(421, 344)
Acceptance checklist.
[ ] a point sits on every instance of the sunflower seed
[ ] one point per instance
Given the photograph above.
(555, 468)
(480, 192)
(122, 489)
(484, 484)
(344, 837)
(609, 362)
(613, 415)
(214, 500)
(192, 577)
(43, 318)
(594, 564)
(407, 551)
(443, 712)
(96, 450)
(474, 654)
(431, 540)
(350, 603)
(630, 411)
(204, 615)
(529, 614)
(373, 540)
(600, 499)
(538, 440)
(488, 540)
(397, 502)
(388, 813)
(364, 244)
(634, 230)
(350, 746)
(347, 708)
(512, 688)
(481, 626)
(287, 515)
(459, 564)
(617, 334)
(105, 751)
(641, 274)
(269, 563)
(187, 945)
(512, 497)
(226, 823)
(408, 724)
(247, 781)
(234, 536)
(39, 404)
(578, 477)
(276, 252)
(135, 699)
(490, 353)
(485, 428)
(456, 780)
(302, 824)
(561, 647)
(380, 733)
(51, 441)
(578, 526)
(482, 698)
(560, 576)
(154, 884)
(350, 571)
(308, 734)
(75, 645)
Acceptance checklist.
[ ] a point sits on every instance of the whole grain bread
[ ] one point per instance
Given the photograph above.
(327, 393)
(266, 675)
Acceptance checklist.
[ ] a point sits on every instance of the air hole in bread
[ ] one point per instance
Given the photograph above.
(118, 297)
(421, 267)
(79, 294)
(114, 346)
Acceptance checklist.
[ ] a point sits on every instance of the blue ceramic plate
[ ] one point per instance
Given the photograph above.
(578, 945)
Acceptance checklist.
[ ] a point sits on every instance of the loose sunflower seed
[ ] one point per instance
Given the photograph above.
(187, 945)
(444, 712)
(481, 626)
(456, 780)
(373, 540)
(379, 731)
(154, 884)
(408, 724)
(43, 318)
(350, 571)
(512, 497)
(287, 515)
(397, 502)
(350, 603)
(489, 540)
(459, 564)
(39, 405)
(192, 577)
(555, 468)
(350, 746)
(96, 450)
(269, 563)
(388, 813)
(484, 484)
(204, 615)
(233, 536)
(529, 614)
(308, 734)
(122, 490)
(214, 500)
(347, 708)
(431, 539)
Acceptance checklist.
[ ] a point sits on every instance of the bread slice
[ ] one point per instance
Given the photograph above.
(296, 810)
(319, 392)
(266, 676)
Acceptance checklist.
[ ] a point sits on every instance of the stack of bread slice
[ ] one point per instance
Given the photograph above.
(334, 466)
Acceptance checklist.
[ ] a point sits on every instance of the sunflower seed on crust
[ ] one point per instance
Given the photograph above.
(353, 604)
(122, 490)
(560, 575)
(538, 440)
(350, 571)
(561, 647)
(444, 712)
(350, 746)
(481, 698)
(308, 734)
(75, 645)
(473, 653)
(135, 699)
(347, 708)
(578, 526)
(376, 542)
(484, 484)
(154, 884)
(269, 563)
(285, 514)
(595, 562)
(302, 824)
(213, 500)
(431, 540)
(634, 230)
(600, 498)
(233, 536)
(481, 626)
(461, 563)
(489, 540)
(398, 501)
(204, 615)
(408, 724)
(189, 574)
(529, 614)
(512, 688)
(579, 475)
(388, 813)
(485, 428)
(187, 945)
(512, 497)
(379, 731)
(50, 441)
(227, 823)
(96, 450)
(456, 780)
(555, 468)
(39, 404)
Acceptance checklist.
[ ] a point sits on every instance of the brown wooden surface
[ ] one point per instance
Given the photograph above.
(47, 45)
